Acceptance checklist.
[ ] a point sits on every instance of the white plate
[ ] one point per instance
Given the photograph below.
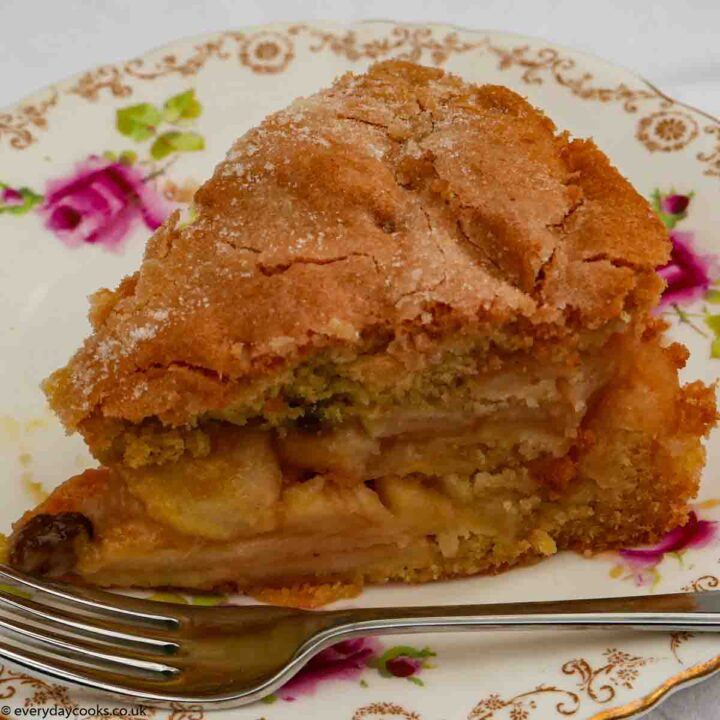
(239, 77)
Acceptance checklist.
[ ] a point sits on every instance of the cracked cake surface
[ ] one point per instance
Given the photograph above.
(404, 200)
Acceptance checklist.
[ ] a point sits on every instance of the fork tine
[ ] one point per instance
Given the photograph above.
(85, 626)
(134, 688)
(133, 610)
(87, 651)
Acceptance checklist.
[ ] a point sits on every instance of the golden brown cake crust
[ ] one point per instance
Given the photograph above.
(395, 201)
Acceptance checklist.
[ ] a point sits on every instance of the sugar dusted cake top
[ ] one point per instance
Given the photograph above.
(399, 202)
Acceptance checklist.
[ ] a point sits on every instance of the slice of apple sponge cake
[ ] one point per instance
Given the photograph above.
(408, 334)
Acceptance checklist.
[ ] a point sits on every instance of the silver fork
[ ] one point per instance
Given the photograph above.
(160, 653)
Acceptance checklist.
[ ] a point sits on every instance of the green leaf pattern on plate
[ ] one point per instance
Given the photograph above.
(138, 122)
(176, 141)
(143, 121)
(182, 107)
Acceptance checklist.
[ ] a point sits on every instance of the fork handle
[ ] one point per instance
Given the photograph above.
(697, 612)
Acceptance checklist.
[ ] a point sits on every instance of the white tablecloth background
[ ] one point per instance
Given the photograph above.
(673, 43)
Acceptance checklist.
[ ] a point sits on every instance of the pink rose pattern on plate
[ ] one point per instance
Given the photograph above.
(688, 274)
(101, 202)
(691, 276)
(641, 564)
(106, 197)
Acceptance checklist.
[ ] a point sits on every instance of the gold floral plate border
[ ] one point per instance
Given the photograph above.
(688, 677)
(665, 128)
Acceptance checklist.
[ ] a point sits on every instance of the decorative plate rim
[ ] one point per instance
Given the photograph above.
(688, 676)
(533, 38)
(27, 98)
(655, 697)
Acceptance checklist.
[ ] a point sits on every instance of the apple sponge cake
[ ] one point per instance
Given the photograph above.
(406, 334)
